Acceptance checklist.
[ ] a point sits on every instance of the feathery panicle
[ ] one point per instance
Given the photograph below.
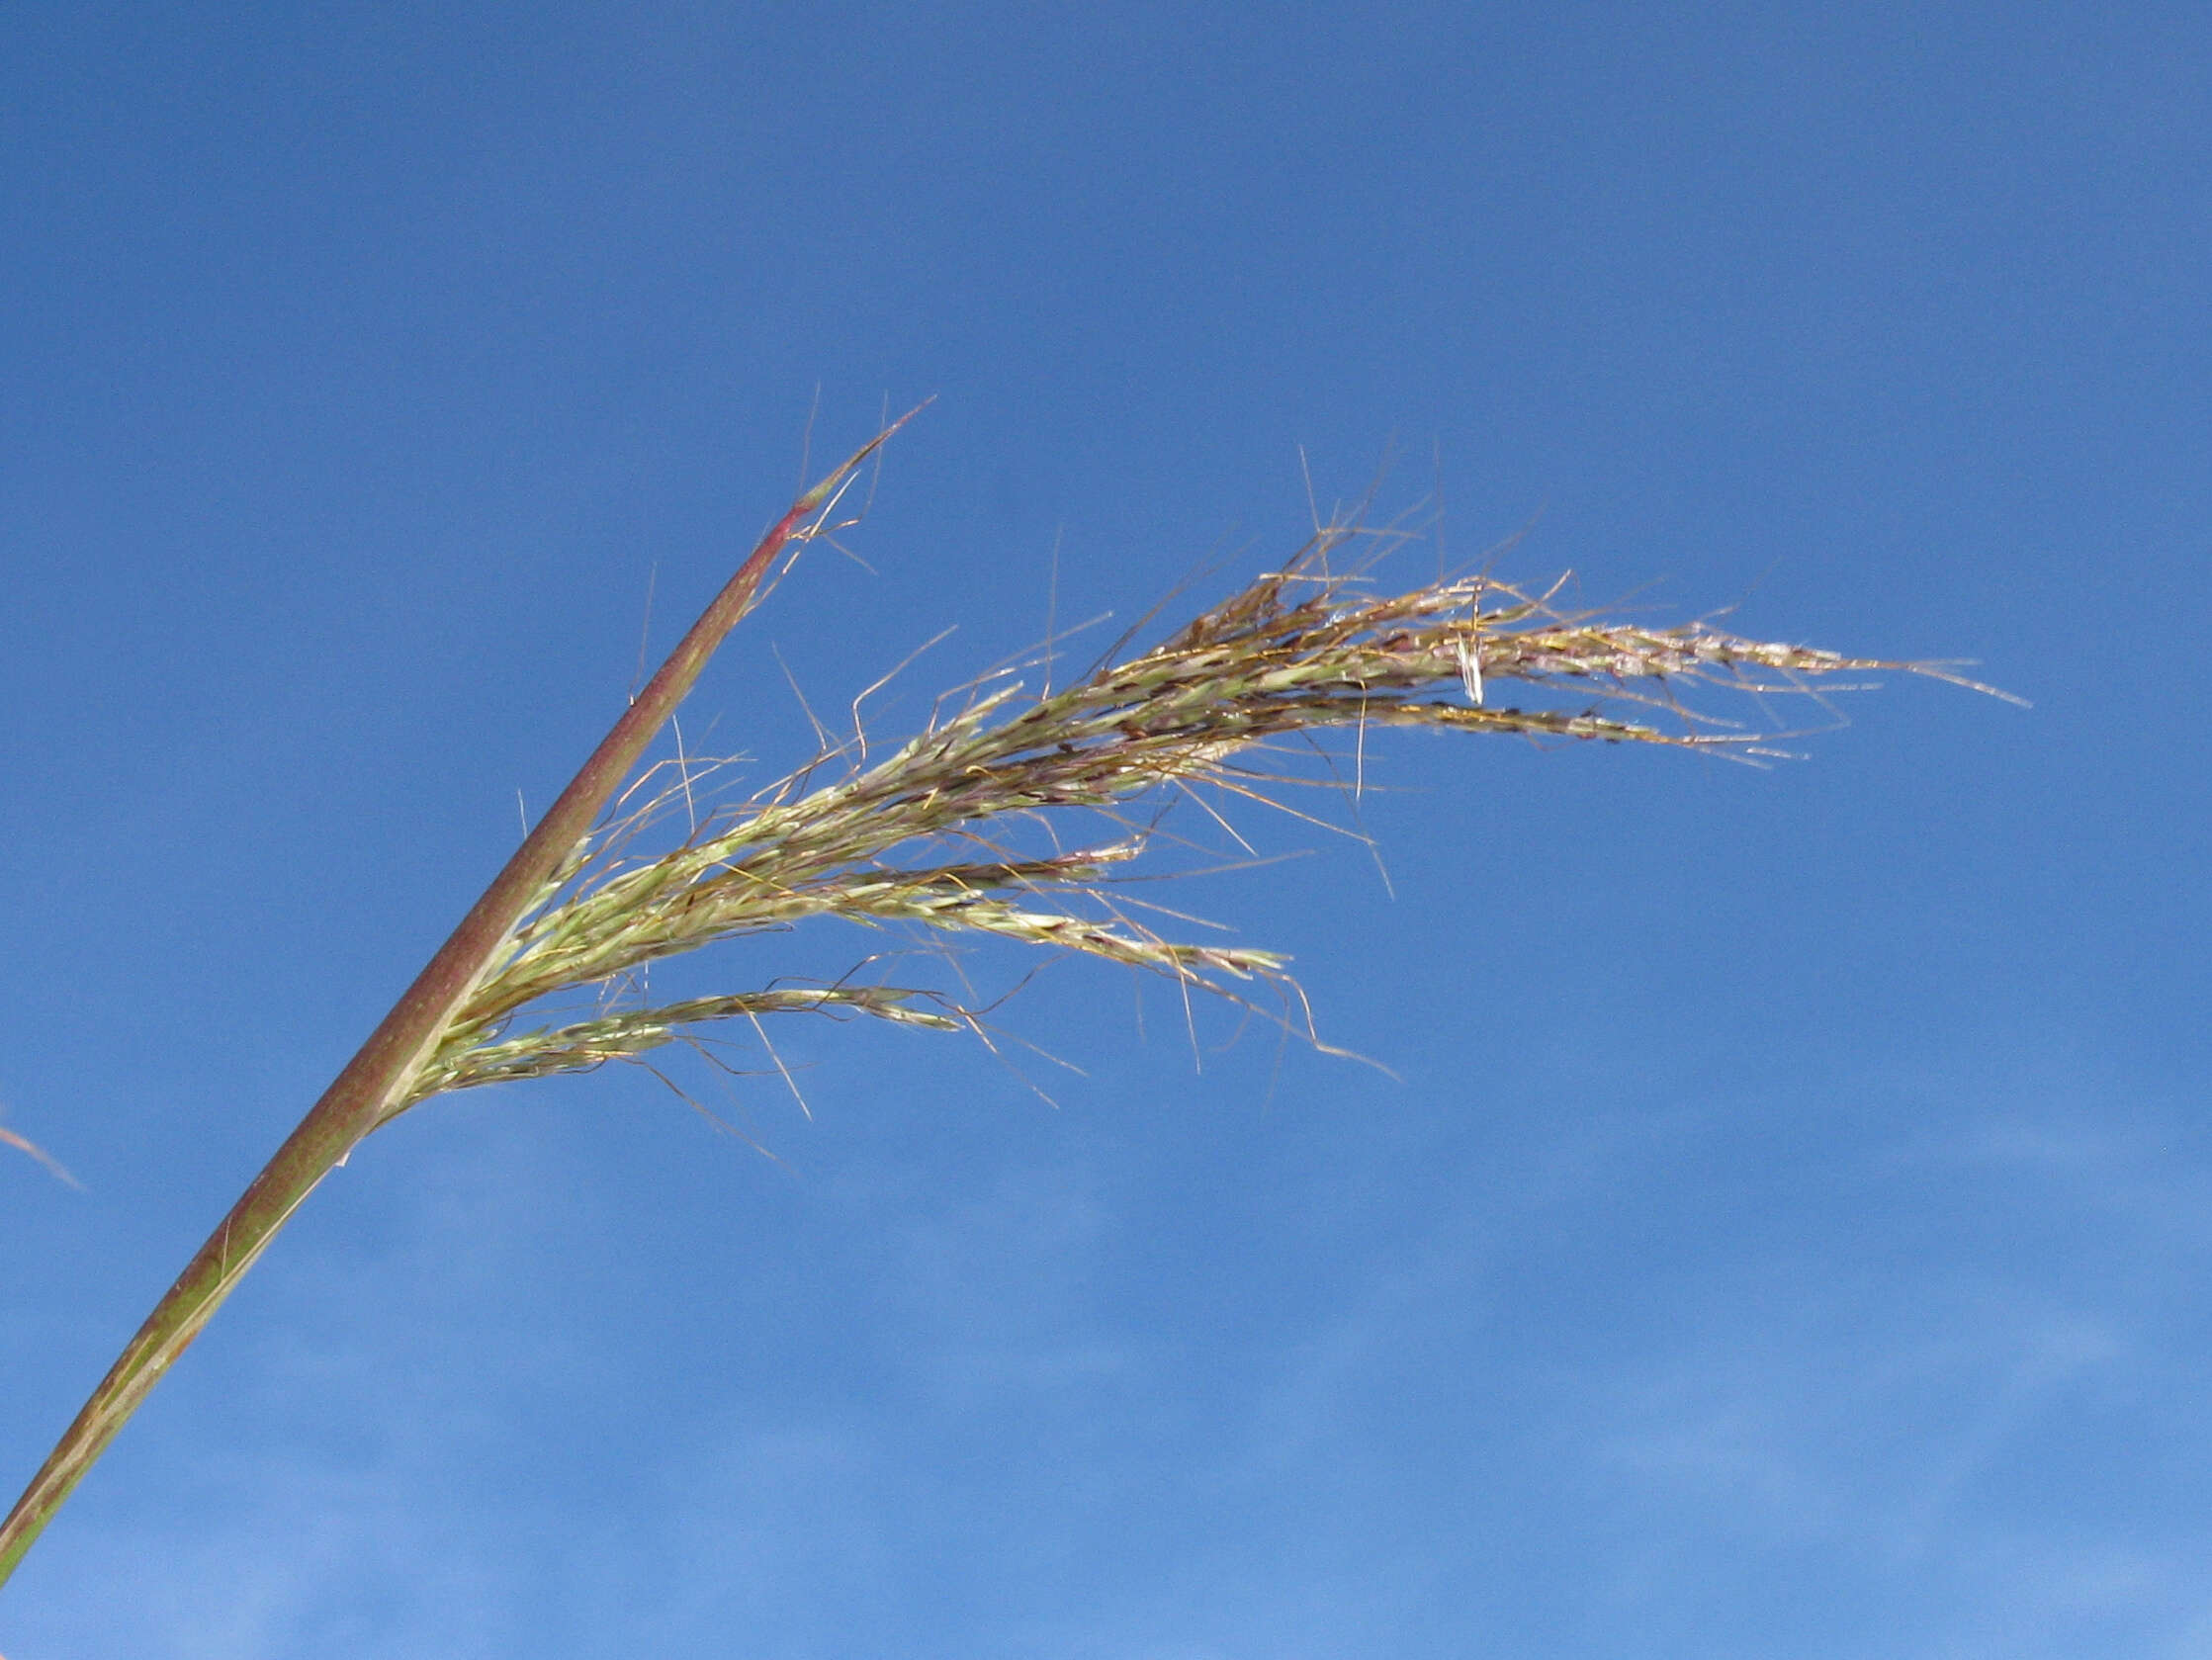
(1297, 650)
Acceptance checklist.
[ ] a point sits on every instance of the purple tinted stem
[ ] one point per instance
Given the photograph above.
(351, 1107)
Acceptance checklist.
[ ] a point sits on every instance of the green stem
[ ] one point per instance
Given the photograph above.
(386, 1064)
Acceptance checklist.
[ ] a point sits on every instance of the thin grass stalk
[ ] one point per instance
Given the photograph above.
(385, 1071)
(54, 1166)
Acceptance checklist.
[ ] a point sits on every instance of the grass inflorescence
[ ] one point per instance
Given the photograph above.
(929, 837)
(1299, 651)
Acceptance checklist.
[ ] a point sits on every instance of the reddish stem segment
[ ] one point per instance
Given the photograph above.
(359, 1096)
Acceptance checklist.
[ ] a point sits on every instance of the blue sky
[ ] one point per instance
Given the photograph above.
(1787, 1231)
